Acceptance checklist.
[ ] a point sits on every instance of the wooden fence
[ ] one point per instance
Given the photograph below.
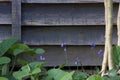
(48, 23)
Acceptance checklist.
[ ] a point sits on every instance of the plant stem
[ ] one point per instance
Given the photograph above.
(14, 62)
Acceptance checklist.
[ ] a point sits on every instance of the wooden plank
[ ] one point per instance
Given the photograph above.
(5, 32)
(62, 1)
(54, 14)
(5, 13)
(16, 18)
(55, 55)
(64, 14)
(79, 35)
(65, 1)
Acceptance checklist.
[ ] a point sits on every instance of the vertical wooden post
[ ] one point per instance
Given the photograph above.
(16, 18)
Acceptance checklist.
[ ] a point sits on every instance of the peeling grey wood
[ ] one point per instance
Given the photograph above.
(55, 55)
(16, 18)
(5, 32)
(71, 35)
(62, 1)
(57, 14)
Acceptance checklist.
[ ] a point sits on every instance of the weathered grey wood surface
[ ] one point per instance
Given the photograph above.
(57, 14)
(48, 25)
(16, 18)
(62, 1)
(55, 55)
(5, 32)
(80, 35)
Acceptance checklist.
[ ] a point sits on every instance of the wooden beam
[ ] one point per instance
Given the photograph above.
(57, 15)
(16, 18)
(5, 32)
(62, 1)
(79, 35)
(55, 55)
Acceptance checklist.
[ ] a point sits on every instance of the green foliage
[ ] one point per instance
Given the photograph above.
(4, 60)
(3, 78)
(58, 74)
(80, 76)
(32, 69)
(95, 77)
(112, 75)
(39, 51)
(116, 56)
(6, 44)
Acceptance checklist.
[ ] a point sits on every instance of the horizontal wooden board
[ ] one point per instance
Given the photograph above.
(79, 35)
(62, 1)
(57, 14)
(5, 13)
(5, 32)
(55, 55)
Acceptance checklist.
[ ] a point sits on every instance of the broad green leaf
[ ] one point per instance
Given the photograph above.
(39, 51)
(5, 69)
(17, 51)
(80, 76)
(35, 71)
(3, 78)
(20, 74)
(36, 64)
(4, 60)
(112, 72)
(23, 62)
(95, 77)
(30, 52)
(68, 76)
(20, 47)
(10, 77)
(26, 68)
(58, 74)
(6, 44)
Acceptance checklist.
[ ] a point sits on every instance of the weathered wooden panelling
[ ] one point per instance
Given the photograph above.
(57, 14)
(55, 55)
(71, 35)
(5, 13)
(5, 32)
(62, 1)
(16, 18)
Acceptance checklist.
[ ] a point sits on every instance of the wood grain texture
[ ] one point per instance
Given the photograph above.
(79, 35)
(5, 13)
(62, 1)
(16, 18)
(5, 32)
(55, 55)
(57, 14)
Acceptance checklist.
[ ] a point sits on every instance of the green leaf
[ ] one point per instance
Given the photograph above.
(10, 77)
(35, 71)
(23, 62)
(58, 74)
(18, 48)
(95, 77)
(116, 56)
(6, 44)
(39, 51)
(4, 60)
(80, 76)
(17, 51)
(20, 74)
(112, 72)
(68, 76)
(5, 69)
(3, 78)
